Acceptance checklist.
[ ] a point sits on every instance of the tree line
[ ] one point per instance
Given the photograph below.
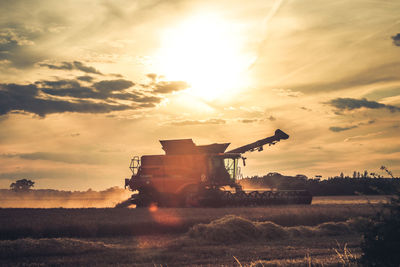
(338, 185)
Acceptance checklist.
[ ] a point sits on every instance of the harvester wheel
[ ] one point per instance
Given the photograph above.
(147, 197)
(192, 200)
(124, 204)
(240, 198)
(227, 198)
(190, 197)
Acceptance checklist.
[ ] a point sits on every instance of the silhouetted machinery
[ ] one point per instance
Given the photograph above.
(189, 175)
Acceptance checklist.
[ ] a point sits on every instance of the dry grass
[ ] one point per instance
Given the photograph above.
(47, 247)
(352, 200)
(41, 223)
(233, 229)
(319, 251)
(256, 236)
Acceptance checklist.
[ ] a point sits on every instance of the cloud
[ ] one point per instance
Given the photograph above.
(341, 129)
(367, 123)
(71, 88)
(113, 85)
(248, 120)
(72, 158)
(383, 93)
(15, 97)
(76, 65)
(80, 66)
(287, 92)
(16, 45)
(396, 39)
(361, 137)
(307, 109)
(77, 92)
(10, 36)
(107, 89)
(60, 84)
(39, 98)
(383, 73)
(62, 66)
(352, 104)
(165, 87)
(198, 122)
(152, 76)
(85, 78)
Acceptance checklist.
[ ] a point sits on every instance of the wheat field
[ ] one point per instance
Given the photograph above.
(323, 234)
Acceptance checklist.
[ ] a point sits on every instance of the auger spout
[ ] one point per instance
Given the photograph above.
(258, 145)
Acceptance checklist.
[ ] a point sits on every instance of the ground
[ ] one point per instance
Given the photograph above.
(318, 234)
(162, 250)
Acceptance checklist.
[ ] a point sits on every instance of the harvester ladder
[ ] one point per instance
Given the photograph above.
(135, 164)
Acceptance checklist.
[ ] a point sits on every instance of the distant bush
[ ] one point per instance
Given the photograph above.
(381, 244)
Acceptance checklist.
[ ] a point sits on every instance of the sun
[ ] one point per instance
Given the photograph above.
(206, 52)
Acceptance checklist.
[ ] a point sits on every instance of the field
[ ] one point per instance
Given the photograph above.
(325, 233)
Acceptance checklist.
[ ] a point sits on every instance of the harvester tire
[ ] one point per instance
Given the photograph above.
(190, 197)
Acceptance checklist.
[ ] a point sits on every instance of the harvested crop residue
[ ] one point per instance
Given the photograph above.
(233, 229)
(48, 247)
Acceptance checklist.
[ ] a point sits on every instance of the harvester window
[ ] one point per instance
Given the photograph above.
(231, 165)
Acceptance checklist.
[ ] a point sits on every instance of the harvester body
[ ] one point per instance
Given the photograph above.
(191, 175)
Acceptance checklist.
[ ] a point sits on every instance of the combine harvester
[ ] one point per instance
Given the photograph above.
(201, 176)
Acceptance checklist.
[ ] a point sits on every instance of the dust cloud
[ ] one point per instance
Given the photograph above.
(47, 198)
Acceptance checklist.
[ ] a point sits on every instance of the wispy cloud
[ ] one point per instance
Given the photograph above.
(341, 129)
(287, 92)
(352, 104)
(197, 122)
(76, 65)
(360, 137)
(396, 39)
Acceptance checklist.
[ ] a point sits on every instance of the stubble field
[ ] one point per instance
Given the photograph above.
(324, 233)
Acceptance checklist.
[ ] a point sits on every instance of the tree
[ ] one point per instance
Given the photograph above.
(22, 185)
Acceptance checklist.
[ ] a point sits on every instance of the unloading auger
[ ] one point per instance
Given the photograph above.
(189, 175)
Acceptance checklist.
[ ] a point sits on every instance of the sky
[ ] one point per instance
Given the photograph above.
(86, 85)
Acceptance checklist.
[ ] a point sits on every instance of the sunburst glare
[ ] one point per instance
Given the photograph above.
(207, 52)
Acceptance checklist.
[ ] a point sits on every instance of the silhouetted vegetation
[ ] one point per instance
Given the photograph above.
(381, 244)
(22, 185)
(360, 183)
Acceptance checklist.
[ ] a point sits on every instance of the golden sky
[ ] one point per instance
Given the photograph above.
(86, 85)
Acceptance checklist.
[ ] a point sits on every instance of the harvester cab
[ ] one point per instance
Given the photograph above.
(192, 175)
